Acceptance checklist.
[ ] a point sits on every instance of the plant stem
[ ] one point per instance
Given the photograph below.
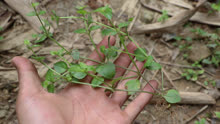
(90, 37)
(47, 34)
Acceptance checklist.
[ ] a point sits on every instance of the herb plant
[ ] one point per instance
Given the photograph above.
(164, 16)
(75, 71)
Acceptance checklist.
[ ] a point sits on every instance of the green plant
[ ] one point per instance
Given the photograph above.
(217, 114)
(201, 121)
(1, 38)
(75, 71)
(191, 74)
(164, 16)
(216, 7)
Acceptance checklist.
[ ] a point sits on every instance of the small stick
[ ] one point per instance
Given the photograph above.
(164, 71)
(186, 66)
(135, 18)
(197, 82)
(200, 111)
(177, 65)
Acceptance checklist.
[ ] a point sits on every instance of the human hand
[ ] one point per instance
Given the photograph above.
(77, 104)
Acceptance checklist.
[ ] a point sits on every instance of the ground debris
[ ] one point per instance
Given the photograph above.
(198, 52)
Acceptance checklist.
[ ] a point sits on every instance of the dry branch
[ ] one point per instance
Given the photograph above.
(5, 17)
(205, 18)
(23, 7)
(196, 98)
(170, 24)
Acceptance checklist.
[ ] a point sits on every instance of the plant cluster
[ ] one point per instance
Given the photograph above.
(215, 6)
(213, 44)
(76, 70)
(204, 121)
(164, 16)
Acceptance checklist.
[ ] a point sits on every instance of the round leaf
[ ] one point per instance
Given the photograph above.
(97, 81)
(50, 76)
(140, 56)
(50, 88)
(172, 96)
(77, 72)
(107, 70)
(154, 66)
(133, 85)
(60, 67)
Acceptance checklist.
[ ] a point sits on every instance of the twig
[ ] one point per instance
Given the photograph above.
(197, 82)
(186, 66)
(165, 73)
(170, 25)
(178, 78)
(177, 65)
(200, 111)
(135, 18)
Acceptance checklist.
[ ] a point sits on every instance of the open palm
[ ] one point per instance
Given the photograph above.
(77, 104)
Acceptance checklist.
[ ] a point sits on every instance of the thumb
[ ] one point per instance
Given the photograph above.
(29, 80)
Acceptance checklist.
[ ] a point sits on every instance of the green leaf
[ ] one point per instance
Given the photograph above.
(97, 81)
(211, 45)
(106, 32)
(50, 88)
(42, 37)
(172, 96)
(54, 17)
(32, 14)
(50, 76)
(35, 4)
(95, 27)
(1, 38)
(33, 46)
(77, 72)
(202, 121)
(80, 31)
(217, 114)
(90, 20)
(105, 11)
(102, 49)
(206, 83)
(38, 58)
(58, 53)
(42, 12)
(149, 61)
(123, 24)
(45, 84)
(87, 67)
(206, 61)
(80, 7)
(79, 75)
(75, 54)
(27, 42)
(81, 11)
(60, 67)
(140, 56)
(133, 85)
(154, 66)
(107, 70)
(1, 28)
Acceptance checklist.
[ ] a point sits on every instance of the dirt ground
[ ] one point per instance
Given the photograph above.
(157, 112)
